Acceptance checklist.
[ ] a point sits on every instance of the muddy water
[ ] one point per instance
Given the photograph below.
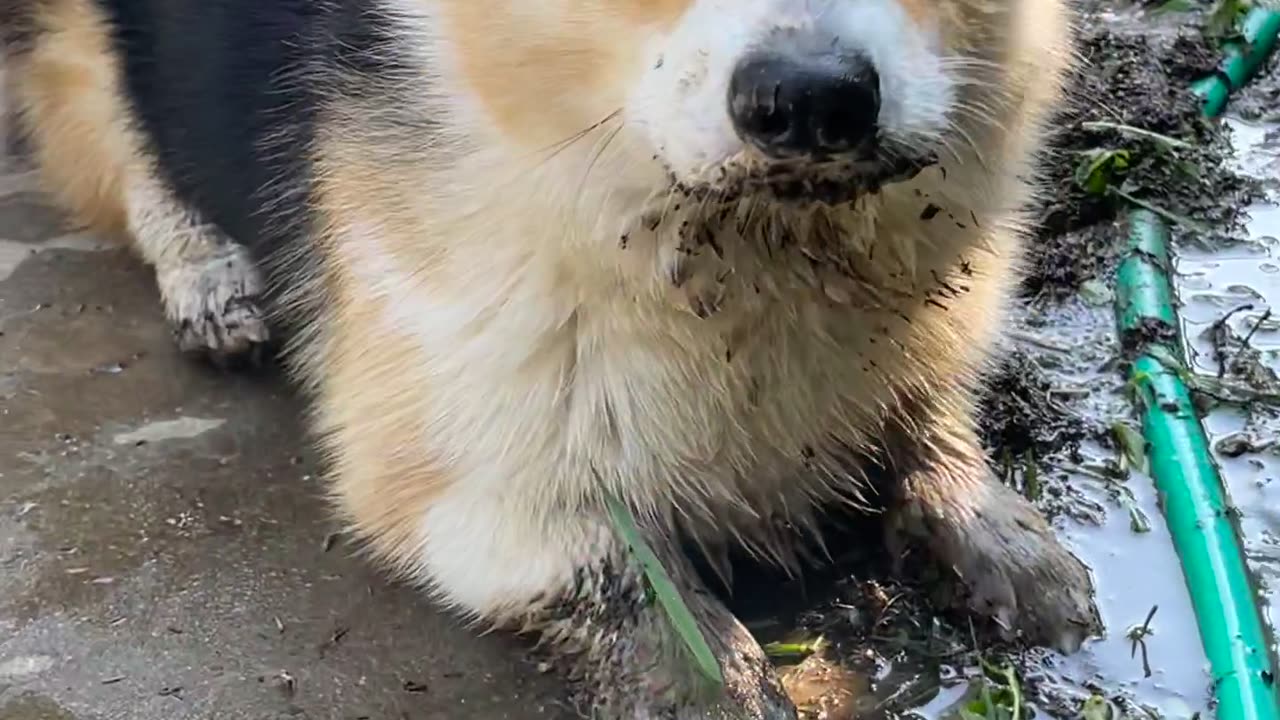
(1239, 286)
(1137, 571)
(1105, 520)
(1112, 518)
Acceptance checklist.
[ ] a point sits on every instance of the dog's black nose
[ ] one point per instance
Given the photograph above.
(809, 104)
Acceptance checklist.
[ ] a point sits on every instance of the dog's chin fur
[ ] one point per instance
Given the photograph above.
(775, 219)
(798, 183)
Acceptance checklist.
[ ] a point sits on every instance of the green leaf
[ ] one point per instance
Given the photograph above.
(1096, 292)
(1100, 169)
(1031, 486)
(1175, 6)
(1138, 520)
(792, 649)
(1013, 692)
(1171, 361)
(665, 591)
(1225, 18)
(1096, 708)
(1132, 445)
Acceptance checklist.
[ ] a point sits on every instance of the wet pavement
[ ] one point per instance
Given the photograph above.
(165, 551)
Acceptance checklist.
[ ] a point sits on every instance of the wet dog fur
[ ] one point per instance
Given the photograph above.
(527, 264)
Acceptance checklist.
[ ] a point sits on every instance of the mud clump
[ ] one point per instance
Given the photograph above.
(1018, 416)
(1130, 132)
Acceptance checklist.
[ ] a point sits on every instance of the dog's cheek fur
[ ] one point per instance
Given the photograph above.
(543, 70)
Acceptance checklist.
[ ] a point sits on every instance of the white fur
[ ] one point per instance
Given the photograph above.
(680, 104)
(203, 277)
(164, 232)
(553, 378)
(488, 557)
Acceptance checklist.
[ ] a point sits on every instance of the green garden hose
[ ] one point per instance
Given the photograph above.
(1195, 508)
(1241, 59)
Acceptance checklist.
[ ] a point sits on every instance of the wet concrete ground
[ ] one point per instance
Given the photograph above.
(162, 532)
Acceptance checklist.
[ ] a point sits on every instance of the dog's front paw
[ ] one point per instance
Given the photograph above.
(1014, 568)
(213, 305)
(632, 663)
(752, 689)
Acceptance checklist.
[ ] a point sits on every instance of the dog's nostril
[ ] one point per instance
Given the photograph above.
(806, 104)
(842, 125)
(756, 109)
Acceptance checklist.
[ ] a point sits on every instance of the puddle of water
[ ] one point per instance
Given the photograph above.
(1138, 571)
(1134, 571)
(1238, 287)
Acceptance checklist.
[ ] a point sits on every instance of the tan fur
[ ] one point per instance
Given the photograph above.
(588, 50)
(919, 10)
(569, 69)
(581, 67)
(383, 480)
(67, 91)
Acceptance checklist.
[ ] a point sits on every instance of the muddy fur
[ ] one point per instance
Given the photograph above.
(612, 637)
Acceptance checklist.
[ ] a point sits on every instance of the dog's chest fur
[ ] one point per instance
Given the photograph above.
(713, 376)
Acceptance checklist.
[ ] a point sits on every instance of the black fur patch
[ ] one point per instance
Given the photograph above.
(16, 25)
(229, 95)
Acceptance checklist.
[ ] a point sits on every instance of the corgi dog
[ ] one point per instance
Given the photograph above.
(724, 264)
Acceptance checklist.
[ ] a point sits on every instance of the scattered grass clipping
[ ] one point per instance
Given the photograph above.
(1133, 456)
(1133, 447)
(1102, 172)
(1097, 708)
(1100, 169)
(793, 650)
(997, 696)
(665, 592)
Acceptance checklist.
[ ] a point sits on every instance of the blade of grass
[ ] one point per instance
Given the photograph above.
(1132, 445)
(800, 650)
(1172, 217)
(666, 593)
(1136, 132)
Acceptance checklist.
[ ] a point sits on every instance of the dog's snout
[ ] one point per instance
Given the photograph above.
(805, 105)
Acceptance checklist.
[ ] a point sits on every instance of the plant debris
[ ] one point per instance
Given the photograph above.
(1131, 134)
(1018, 414)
